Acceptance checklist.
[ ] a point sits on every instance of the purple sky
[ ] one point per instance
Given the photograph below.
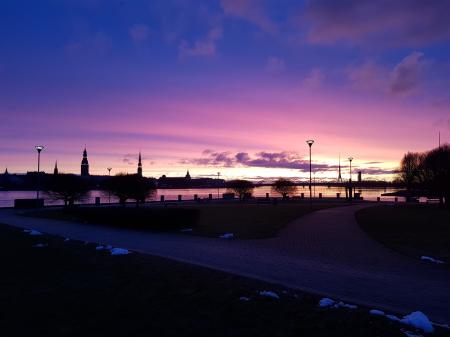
(235, 86)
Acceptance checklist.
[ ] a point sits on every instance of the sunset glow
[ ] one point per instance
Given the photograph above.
(232, 86)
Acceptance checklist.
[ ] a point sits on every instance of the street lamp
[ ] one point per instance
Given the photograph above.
(310, 142)
(38, 148)
(218, 185)
(109, 192)
(350, 180)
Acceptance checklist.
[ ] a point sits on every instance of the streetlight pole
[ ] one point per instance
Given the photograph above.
(350, 180)
(109, 192)
(218, 185)
(38, 148)
(310, 142)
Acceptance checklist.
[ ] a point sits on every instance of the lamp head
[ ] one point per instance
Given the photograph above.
(310, 142)
(350, 158)
(39, 148)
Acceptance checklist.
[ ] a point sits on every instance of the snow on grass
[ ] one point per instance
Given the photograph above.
(100, 247)
(345, 305)
(410, 334)
(328, 302)
(119, 251)
(418, 320)
(32, 232)
(227, 236)
(270, 294)
(431, 259)
(184, 230)
(244, 299)
(108, 247)
(66, 239)
(40, 245)
(376, 312)
(393, 318)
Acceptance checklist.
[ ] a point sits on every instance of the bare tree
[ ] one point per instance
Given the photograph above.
(436, 164)
(67, 187)
(130, 186)
(240, 187)
(284, 187)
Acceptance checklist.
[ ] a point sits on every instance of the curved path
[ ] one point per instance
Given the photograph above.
(324, 252)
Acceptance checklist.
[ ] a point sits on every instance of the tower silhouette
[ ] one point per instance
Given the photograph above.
(84, 164)
(55, 170)
(139, 170)
(339, 175)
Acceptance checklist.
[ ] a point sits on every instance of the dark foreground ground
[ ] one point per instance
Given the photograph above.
(415, 230)
(244, 220)
(71, 289)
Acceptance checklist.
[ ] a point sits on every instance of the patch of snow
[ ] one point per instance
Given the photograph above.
(418, 320)
(119, 251)
(227, 236)
(393, 318)
(269, 294)
(376, 312)
(186, 230)
(66, 239)
(40, 245)
(244, 299)
(410, 334)
(326, 302)
(431, 259)
(32, 232)
(444, 326)
(108, 247)
(100, 247)
(345, 305)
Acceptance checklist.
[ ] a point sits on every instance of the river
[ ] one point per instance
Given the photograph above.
(7, 197)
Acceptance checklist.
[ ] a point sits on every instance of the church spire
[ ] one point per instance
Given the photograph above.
(55, 170)
(139, 170)
(84, 164)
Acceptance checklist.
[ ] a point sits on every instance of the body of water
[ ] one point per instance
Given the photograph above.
(7, 197)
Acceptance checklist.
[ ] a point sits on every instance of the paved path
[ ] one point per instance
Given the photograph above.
(324, 252)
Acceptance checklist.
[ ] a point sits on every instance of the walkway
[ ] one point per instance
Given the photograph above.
(324, 252)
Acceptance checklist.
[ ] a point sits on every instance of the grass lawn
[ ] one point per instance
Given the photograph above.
(244, 220)
(72, 289)
(414, 230)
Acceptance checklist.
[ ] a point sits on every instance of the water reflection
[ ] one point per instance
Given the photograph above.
(7, 197)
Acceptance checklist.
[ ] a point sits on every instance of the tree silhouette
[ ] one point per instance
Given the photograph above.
(130, 186)
(67, 187)
(240, 187)
(284, 187)
(436, 164)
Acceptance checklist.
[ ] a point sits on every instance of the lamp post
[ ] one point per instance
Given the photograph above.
(310, 142)
(350, 180)
(109, 192)
(218, 185)
(38, 148)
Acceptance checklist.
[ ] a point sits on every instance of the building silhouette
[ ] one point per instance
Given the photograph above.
(84, 165)
(188, 176)
(55, 170)
(139, 170)
(359, 176)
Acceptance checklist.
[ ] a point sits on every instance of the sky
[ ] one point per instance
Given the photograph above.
(230, 86)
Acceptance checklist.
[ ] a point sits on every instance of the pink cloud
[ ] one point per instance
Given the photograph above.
(252, 11)
(203, 47)
(390, 23)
